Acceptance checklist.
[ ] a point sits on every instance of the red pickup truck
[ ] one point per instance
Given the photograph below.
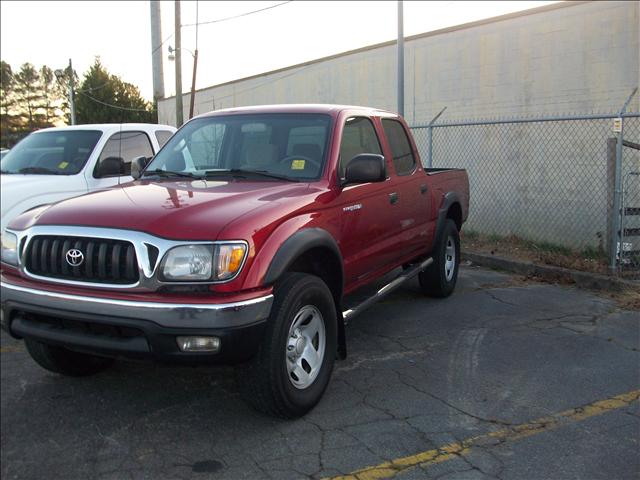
(249, 238)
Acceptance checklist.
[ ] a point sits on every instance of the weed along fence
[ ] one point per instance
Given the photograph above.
(569, 184)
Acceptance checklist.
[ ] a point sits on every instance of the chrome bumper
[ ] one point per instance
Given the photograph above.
(168, 315)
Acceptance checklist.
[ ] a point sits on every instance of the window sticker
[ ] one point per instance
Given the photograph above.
(297, 165)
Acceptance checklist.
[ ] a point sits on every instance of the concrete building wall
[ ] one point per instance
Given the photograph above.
(569, 57)
(545, 182)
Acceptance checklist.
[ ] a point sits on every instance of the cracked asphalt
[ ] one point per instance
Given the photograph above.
(474, 370)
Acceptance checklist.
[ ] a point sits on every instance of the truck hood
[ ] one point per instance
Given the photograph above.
(16, 188)
(180, 210)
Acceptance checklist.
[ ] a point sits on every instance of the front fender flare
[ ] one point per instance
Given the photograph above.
(296, 245)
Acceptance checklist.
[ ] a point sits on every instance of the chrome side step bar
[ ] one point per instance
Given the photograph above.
(386, 290)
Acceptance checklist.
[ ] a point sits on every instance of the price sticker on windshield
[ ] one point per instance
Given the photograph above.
(297, 165)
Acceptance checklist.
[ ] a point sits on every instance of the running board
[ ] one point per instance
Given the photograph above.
(386, 290)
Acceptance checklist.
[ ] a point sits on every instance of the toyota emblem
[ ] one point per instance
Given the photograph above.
(75, 257)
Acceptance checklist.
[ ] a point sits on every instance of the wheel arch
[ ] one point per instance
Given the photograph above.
(451, 208)
(313, 251)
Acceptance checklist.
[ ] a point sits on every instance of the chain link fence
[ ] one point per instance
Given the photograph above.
(546, 187)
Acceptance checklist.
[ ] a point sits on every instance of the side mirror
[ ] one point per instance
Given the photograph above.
(365, 168)
(110, 167)
(137, 166)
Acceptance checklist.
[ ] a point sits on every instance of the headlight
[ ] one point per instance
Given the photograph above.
(198, 263)
(9, 253)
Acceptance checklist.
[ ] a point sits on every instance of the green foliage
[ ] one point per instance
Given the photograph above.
(31, 99)
(105, 98)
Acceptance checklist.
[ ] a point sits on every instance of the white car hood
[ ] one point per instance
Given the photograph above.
(23, 192)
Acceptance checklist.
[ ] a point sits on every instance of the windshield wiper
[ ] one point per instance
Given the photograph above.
(169, 173)
(241, 171)
(39, 170)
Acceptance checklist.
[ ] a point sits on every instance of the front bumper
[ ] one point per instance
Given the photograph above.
(134, 329)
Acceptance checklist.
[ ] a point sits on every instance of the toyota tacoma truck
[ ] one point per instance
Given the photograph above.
(251, 238)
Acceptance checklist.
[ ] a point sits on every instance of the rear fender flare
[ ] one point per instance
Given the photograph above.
(449, 199)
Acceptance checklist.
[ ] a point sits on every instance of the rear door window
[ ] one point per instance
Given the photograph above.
(162, 136)
(404, 161)
(120, 150)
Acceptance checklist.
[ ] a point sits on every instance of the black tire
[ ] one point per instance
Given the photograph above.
(65, 362)
(439, 278)
(265, 381)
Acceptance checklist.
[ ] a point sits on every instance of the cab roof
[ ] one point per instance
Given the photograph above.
(109, 127)
(325, 108)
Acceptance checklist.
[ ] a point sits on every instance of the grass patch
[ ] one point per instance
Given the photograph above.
(590, 259)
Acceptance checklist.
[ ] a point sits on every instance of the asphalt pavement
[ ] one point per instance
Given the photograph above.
(505, 379)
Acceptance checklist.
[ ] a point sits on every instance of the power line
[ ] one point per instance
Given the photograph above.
(112, 106)
(91, 89)
(259, 85)
(236, 16)
(160, 46)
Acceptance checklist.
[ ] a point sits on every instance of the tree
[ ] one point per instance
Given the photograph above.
(51, 94)
(27, 87)
(8, 121)
(105, 98)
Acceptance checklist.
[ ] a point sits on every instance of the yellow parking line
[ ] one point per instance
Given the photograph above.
(453, 450)
(10, 349)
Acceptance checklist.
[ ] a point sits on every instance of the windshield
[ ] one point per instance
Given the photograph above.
(62, 152)
(270, 146)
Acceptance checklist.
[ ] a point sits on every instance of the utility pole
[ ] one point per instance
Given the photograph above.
(193, 84)
(179, 112)
(72, 95)
(156, 50)
(400, 59)
(195, 67)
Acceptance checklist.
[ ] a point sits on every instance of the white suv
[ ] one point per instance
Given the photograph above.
(58, 163)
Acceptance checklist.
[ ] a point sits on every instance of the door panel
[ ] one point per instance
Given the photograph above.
(367, 214)
(413, 229)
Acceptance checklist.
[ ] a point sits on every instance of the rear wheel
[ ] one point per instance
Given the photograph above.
(439, 279)
(292, 368)
(65, 362)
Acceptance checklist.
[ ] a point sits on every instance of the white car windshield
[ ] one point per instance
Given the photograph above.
(61, 152)
(270, 146)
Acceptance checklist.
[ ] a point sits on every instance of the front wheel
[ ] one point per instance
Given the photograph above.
(439, 278)
(292, 368)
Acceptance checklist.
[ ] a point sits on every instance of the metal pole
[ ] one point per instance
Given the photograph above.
(156, 50)
(400, 59)
(193, 84)
(72, 95)
(178, 53)
(616, 233)
(616, 246)
(195, 67)
(430, 138)
(430, 146)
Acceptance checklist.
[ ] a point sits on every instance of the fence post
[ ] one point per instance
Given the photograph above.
(430, 137)
(616, 233)
(616, 246)
(430, 146)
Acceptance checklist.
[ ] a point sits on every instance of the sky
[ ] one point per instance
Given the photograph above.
(52, 32)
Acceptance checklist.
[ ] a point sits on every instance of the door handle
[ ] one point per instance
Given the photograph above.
(393, 198)
(423, 189)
